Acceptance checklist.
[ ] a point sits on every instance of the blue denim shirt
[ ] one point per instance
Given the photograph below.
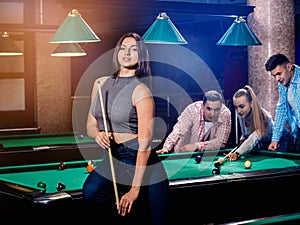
(283, 109)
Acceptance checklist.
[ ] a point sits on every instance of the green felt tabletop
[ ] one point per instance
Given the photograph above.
(183, 168)
(177, 168)
(34, 140)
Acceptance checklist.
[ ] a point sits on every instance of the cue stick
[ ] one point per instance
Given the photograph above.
(109, 149)
(233, 150)
(236, 127)
(225, 157)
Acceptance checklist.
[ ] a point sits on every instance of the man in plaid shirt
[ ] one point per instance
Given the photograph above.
(201, 126)
(288, 107)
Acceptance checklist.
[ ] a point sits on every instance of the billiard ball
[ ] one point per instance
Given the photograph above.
(89, 168)
(198, 158)
(60, 186)
(41, 184)
(221, 160)
(216, 171)
(62, 166)
(247, 164)
(217, 164)
(80, 136)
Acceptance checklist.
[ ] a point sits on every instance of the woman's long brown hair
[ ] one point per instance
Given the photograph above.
(260, 119)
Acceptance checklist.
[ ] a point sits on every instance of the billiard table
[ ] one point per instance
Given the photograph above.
(20, 149)
(268, 188)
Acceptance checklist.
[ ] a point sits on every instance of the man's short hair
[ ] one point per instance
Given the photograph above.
(212, 96)
(276, 60)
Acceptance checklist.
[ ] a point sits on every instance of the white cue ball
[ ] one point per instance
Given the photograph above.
(247, 164)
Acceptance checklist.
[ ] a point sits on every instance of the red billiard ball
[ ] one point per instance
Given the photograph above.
(217, 164)
(60, 186)
(216, 171)
(89, 168)
(62, 166)
(198, 158)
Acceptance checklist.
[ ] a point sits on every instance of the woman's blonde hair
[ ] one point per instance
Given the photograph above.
(260, 121)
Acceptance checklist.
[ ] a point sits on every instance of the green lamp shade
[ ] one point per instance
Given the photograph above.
(163, 31)
(68, 50)
(74, 29)
(7, 46)
(239, 34)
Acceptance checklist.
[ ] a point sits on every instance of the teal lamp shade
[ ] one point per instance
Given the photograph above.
(163, 31)
(68, 50)
(239, 34)
(7, 46)
(74, 29)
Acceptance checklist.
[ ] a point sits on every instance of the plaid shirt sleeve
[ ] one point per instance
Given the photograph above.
(281, 113)
(294, 122)
(184, 123)
(220, 131)
(296, 91)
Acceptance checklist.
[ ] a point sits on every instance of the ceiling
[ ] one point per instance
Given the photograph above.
(107, 16)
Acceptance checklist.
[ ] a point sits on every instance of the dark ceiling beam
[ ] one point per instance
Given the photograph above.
(159, 6)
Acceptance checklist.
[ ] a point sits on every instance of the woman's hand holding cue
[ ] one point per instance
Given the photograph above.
(233, 155)
(102, 139)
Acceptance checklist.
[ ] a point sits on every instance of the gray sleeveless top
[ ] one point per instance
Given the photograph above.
(121, 114)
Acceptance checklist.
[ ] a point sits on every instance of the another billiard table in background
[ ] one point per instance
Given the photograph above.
(20, 149)
(268, 188)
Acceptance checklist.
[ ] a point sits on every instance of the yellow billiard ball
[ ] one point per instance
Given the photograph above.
(221, 160)
(247, 164)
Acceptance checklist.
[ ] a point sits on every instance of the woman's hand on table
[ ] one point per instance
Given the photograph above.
(233, 156)
(162, 151)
